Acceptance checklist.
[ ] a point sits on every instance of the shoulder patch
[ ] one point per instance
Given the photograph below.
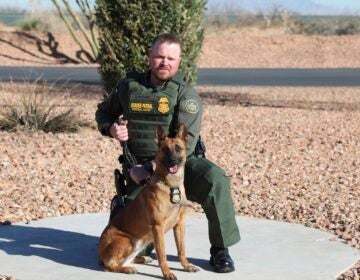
(192, 106)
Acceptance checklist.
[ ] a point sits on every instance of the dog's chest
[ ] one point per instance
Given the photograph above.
(172, 201)
(172, 215)
(173, 211)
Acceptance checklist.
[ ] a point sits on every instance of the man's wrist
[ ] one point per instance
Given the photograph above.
(148, 166)
(105, 129)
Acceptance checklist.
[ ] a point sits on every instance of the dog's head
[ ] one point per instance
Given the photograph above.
(171, 155)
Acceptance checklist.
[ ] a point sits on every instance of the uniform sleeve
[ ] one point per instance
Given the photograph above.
(110, 109)
(190, 114)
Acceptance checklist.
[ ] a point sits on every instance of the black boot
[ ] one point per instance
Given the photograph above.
(221, 260)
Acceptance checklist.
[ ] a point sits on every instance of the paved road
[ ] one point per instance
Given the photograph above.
(340, 77)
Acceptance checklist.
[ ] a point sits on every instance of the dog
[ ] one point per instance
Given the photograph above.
(159, 207)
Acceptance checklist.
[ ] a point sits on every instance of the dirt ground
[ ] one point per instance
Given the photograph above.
(222, 48)
(293, 154)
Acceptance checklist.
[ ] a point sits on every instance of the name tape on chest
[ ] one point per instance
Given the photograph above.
(160, 105)
(141, 107)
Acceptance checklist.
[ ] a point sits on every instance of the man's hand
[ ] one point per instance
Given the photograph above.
(119, 131)
(138, 174)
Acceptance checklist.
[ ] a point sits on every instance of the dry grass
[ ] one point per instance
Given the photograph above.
(38, 107)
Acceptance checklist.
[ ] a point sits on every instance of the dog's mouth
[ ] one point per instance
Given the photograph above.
(172, 164)
(173, 169)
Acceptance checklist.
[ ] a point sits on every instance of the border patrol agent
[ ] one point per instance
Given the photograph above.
(162, 97)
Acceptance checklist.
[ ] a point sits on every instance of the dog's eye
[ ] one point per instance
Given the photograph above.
(178, 148)
(165, 150)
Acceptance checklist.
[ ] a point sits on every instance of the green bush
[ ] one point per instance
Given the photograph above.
(127, 29)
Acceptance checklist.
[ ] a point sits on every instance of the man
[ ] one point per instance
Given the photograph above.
(162, 97)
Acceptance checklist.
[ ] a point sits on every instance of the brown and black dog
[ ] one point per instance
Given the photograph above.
(160, 206)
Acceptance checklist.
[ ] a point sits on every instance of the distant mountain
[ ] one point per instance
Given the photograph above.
(303, 7)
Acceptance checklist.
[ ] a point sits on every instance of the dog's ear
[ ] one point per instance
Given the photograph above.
(182, 133)
(160, 135)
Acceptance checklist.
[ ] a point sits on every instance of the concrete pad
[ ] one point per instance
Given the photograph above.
(66, 248)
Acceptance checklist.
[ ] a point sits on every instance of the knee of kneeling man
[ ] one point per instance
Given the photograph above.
(216, 174)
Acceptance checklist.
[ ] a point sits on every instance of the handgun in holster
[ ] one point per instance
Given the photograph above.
(200, 148)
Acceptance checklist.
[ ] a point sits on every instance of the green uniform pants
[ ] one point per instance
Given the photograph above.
(207, 184)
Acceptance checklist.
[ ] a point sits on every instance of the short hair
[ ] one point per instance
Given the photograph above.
(166, 37)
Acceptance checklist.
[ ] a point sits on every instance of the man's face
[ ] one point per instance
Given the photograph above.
(164, 60)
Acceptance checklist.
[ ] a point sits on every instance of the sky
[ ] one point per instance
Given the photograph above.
(337, 6)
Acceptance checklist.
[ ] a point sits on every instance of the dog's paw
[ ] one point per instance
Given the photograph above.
(191, 268)
(147, 259)
(170, 276)
(130, 270)
(143, 259)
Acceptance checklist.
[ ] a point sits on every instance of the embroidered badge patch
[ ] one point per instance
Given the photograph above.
(192, 106)
(141, 107)
(163, 105)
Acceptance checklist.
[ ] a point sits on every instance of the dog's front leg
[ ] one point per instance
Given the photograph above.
(179, 234)
(159, 241)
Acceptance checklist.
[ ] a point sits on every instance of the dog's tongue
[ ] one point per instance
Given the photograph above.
(173, 169)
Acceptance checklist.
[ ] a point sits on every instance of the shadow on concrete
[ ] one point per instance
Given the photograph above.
(65, 247)
(202, 263)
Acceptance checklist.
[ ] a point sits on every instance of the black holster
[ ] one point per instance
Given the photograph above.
(200, 148)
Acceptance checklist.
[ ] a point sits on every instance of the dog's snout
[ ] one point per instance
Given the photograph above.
(174, 160)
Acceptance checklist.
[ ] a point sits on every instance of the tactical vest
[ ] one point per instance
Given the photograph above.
(148, 108)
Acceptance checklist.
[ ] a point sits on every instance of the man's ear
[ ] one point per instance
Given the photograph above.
(160, 135)
(182, 133)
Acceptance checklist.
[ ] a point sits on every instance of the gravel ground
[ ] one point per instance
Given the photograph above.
(292, 153)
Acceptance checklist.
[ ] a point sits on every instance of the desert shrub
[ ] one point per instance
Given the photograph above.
(127, 29)
(36, 109)
(237, 17)
(34, 24)
(326, 26)
(347, 28)
(217, 21)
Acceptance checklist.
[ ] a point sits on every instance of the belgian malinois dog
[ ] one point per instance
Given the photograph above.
(159, 207)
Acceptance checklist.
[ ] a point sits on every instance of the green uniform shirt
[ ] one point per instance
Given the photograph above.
(187, 108)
